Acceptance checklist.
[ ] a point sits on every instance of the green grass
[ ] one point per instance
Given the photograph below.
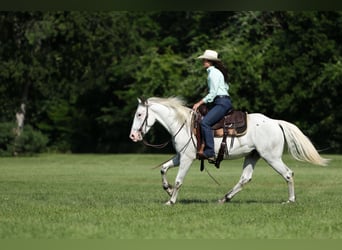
(120, 197)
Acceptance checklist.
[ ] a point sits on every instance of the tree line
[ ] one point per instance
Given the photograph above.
(73, 77)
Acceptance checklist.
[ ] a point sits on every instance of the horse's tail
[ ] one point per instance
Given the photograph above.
(300, 146)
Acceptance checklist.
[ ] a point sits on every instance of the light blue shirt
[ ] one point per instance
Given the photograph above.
(216, 84)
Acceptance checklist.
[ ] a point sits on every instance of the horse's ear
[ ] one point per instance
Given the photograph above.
(142, 100)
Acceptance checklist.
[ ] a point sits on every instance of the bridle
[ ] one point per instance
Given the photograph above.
(162, 145)
(144, 123)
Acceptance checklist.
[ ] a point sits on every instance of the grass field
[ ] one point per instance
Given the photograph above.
(120, 197)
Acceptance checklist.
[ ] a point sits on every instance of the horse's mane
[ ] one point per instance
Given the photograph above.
(175, 103)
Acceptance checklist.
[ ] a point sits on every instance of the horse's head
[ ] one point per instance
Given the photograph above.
(143, 121)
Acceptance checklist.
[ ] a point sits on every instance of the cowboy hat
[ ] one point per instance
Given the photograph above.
(210, 55)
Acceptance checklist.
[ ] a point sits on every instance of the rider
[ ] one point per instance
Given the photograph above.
(218, 95)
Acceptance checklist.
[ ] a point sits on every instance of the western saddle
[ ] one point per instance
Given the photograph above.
(233, 124)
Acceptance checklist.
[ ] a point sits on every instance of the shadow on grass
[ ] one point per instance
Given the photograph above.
(193, 201)
(275, 202)
(198, 201)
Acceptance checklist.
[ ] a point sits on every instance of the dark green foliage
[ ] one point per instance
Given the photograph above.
(7, 135)
(293, 71)
(80, 73)
(29, 142)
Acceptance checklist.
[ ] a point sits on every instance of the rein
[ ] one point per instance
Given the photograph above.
(163, 145)
(159, 146)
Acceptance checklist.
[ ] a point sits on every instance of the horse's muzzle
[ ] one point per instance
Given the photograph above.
(135, 136)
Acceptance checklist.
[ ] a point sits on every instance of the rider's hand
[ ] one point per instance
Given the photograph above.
(196, 105)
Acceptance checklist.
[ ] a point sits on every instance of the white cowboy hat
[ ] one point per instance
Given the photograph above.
(209, 55)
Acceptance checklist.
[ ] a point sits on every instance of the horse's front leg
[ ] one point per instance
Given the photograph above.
(183, 170)
(165, 167)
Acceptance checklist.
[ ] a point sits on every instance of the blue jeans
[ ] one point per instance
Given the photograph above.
(216, 113)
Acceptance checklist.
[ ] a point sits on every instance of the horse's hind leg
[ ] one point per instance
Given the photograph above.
(279, 166)
(246, 176)
(164, 168)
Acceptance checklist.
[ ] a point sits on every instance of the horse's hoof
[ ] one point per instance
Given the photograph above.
(289, 202)
(224, 200)
(221, 201)
(169, 203)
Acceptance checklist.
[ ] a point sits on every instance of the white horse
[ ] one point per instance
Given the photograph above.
(265, 138)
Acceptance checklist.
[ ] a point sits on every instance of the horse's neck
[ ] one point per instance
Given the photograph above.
(167, 118)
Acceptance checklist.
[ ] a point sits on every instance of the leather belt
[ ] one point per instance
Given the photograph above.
(222, 96)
